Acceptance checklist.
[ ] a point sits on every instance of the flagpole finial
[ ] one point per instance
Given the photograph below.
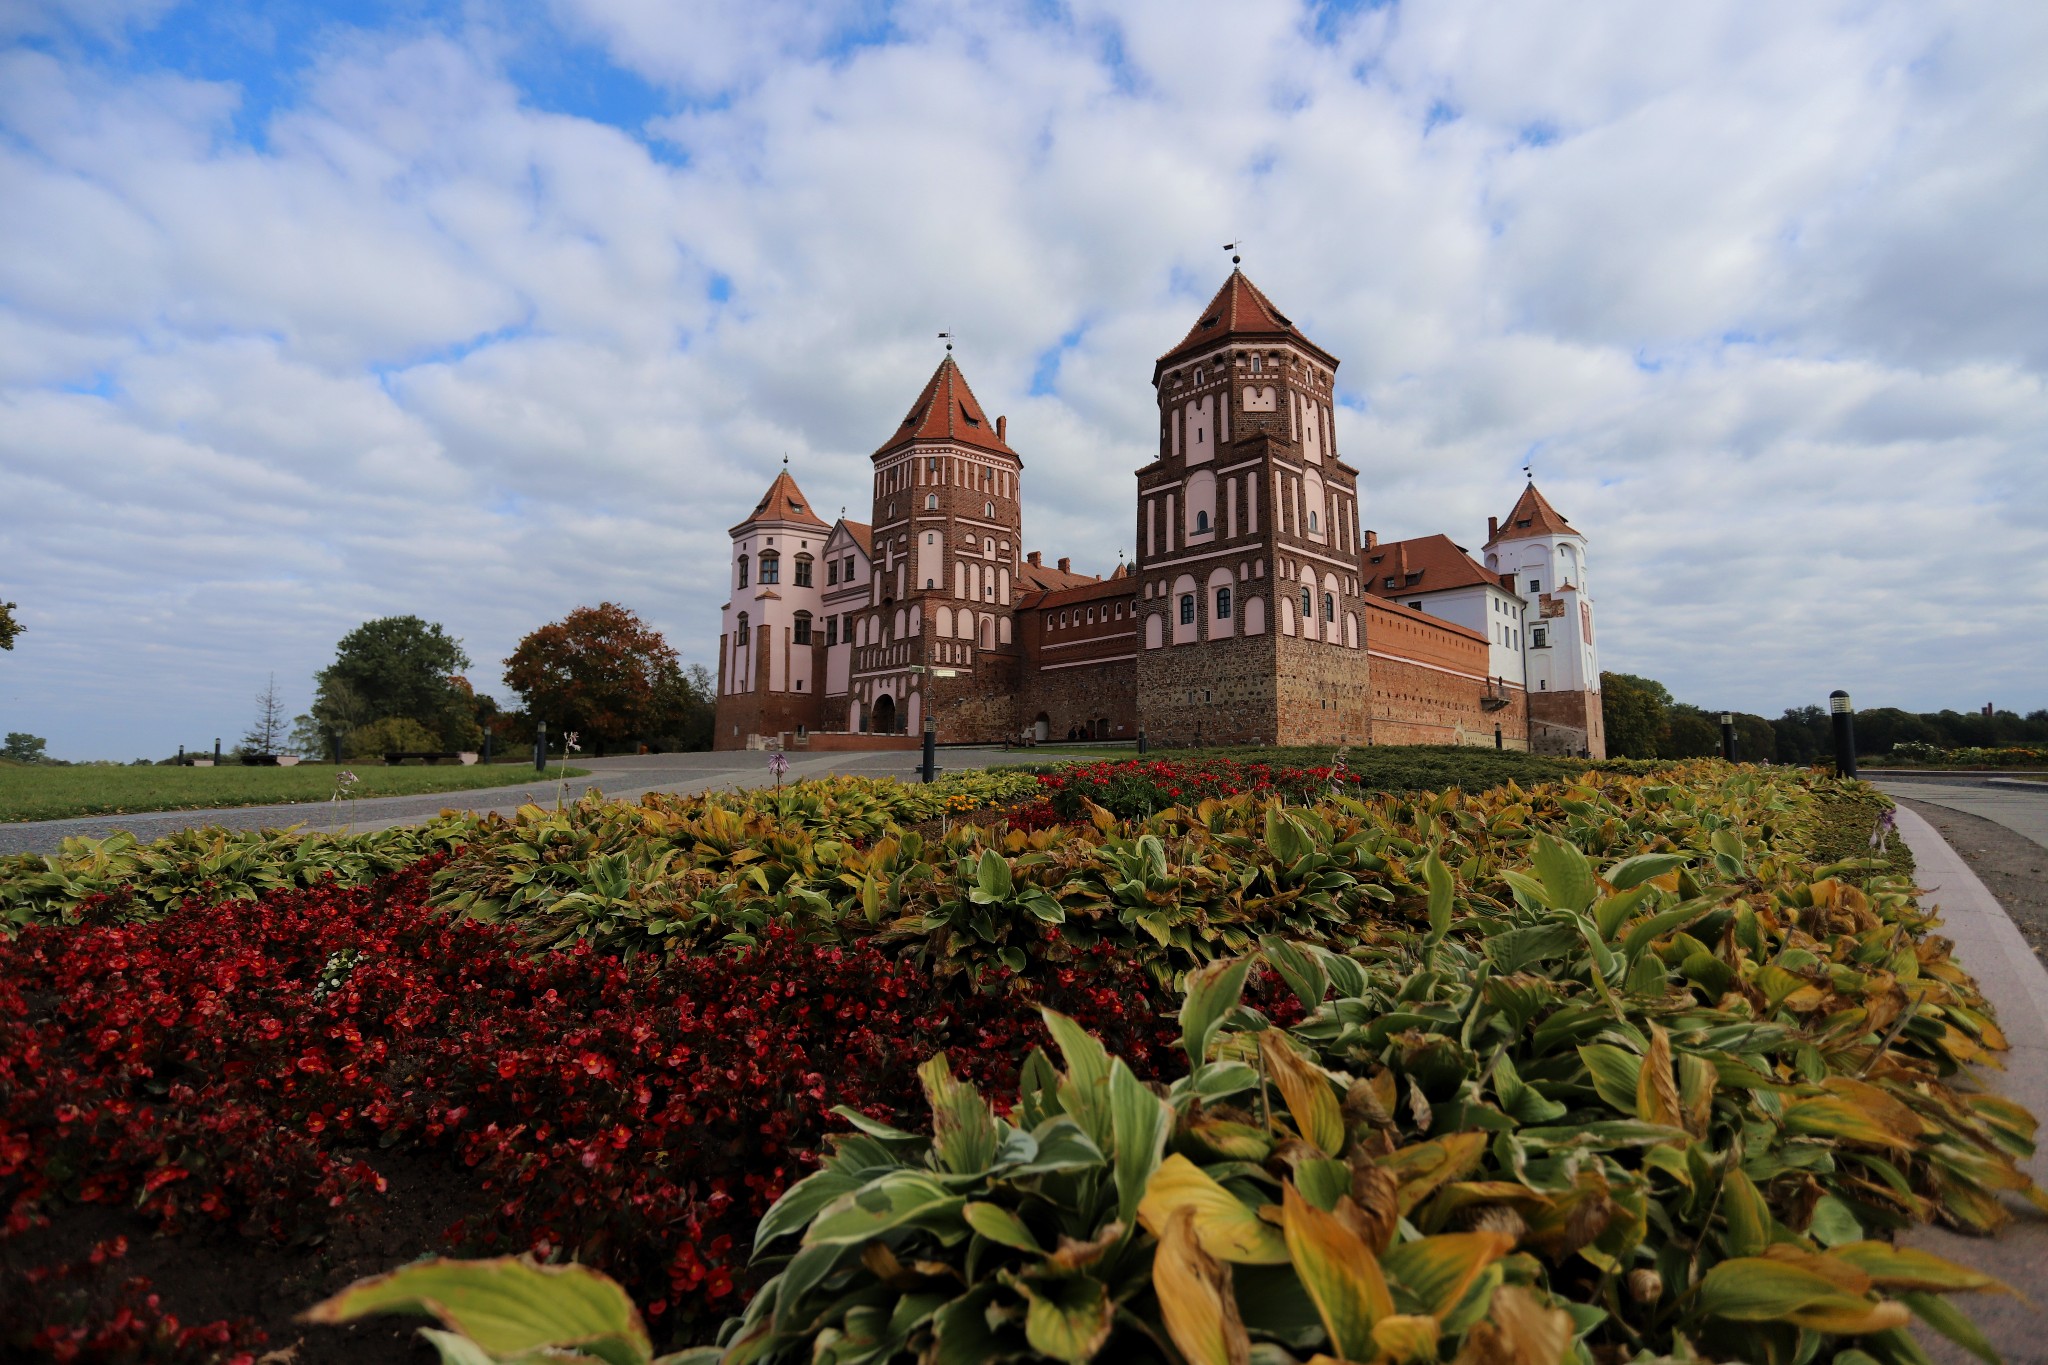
(1232, 247)
(947, 337)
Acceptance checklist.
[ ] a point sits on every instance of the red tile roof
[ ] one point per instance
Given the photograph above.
(1240, 309)
(1044, 578)
(947, 410)
(1437, 558)
(1533, 516)
(783, 501)
(1095, 591)
(863, 535)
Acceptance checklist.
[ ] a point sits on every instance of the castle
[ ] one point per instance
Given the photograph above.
(1254, 611)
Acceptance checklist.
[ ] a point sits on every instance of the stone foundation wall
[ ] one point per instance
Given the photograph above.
(1083, 696)
(1569, 714)
(1324, 693)
(977, 707)
(1217, 692)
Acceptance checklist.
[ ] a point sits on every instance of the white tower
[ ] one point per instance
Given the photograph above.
(772, 638)
(1547, 557)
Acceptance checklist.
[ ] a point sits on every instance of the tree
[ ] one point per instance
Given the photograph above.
(596, 671)
(23, 748)
(1804, 734)
(267, 732)
(396, 666)
(391, 735)
(9, 627)
(1689, 733)
(684, 710)
(1632, 709)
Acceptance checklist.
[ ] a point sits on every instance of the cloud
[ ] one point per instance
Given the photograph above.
(352, 321)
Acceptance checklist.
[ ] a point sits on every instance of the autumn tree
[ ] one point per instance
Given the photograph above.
(600, 671)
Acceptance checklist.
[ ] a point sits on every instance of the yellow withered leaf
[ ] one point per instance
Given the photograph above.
(1318, 1115)
(1438, 1271)
(1657, 1097)
(1340, 1272)
(1909, 1268)
(1423, 1167)
(1836, 1116)
(1519, 1330)
(1404, 1337)
(1881, 1104)
(1764, 1289)
(1226, 1228)
(1195, 1297)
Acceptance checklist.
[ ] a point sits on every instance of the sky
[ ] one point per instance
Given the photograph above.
(317, 312)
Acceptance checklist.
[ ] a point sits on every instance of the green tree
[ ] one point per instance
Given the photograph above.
(1689, 732)
(1755, 740)
(684, 708)
(9, 627)
(23, 748)
(267, 732)
(391, 735)
(1804, 734)
(396, 666)
(1632, 709)
(595, 672)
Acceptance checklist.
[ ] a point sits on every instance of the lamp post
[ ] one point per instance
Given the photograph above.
(540, 746)
(1728, 735)
(1845, 733)
(931, 740)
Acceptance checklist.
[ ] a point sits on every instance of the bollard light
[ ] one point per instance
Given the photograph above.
(1845, 733)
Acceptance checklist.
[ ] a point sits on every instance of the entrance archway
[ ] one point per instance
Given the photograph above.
(1041, 729)
(885, 715)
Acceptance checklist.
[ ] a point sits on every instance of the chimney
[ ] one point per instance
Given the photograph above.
(1036, 559)
(1372, 540)
(1066, 564)
(1492, 529)
(1002, 428)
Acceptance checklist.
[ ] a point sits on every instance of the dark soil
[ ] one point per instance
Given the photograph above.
(2012, 867)
(204, 1277)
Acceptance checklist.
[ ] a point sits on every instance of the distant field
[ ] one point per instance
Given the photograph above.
(34, 792)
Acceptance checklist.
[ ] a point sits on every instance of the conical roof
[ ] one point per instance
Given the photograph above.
(1533, 516)
(783, 501)
(947, 410)
(1240, 309)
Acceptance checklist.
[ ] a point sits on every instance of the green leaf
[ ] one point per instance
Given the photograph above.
(888, 1201)
(1139, 1123)
(1633, 872)
(1567, 876)
(1440, 890)
(964, 1133)
(1212, 993)
(1833, 1225)
(992, 884)
(1085, 1092)
(1069, 1318)
(508, 1306)
(799, 1204)
(1300, 967)
(1616, 1073)
(1286, 840)
(1952, 1322)
(1001, 1226)
(1062, 1146)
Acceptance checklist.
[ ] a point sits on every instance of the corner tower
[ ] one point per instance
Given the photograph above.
(1546, 559)
(768, 657)
(1251, 623)
(936, 639)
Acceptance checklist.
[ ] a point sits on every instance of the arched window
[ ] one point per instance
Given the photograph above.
(802, 634)
(1187, 608)
(1223, 601)
(771, 567)
(1329, 606)
(1201, 522)
(746, 632)
(743, 571)
(1308, 606)
(803, 571)
(1312, 526)
(988, 632)
(931, 502)
(988, 509)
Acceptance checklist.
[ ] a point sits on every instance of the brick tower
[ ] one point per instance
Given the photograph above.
(1247, 549)
(936, 639)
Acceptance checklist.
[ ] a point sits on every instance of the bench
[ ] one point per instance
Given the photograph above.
(394, 759)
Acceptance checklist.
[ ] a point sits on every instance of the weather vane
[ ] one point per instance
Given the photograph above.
(1528, 473)
(947, 337)
(1232, 247)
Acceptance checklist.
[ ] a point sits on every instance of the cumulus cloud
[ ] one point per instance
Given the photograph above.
(1758, 291)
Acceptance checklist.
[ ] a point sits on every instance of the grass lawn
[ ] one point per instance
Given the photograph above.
(35, 792)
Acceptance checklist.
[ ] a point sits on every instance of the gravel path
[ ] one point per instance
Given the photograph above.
(628, 777)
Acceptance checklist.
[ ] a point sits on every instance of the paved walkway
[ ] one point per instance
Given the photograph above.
(2021, 807)
(628, 777)
(2013, 979)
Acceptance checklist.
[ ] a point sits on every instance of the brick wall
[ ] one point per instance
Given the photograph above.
(1079, 670)
(1217, 692)
(1429, 683)
(762, 712)
(1566, 722)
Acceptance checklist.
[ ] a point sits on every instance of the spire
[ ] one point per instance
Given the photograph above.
(1240, 309)
(1533, 516)
(783, 501)
(947, 410)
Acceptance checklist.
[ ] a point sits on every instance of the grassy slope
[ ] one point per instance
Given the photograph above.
(54, 793)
